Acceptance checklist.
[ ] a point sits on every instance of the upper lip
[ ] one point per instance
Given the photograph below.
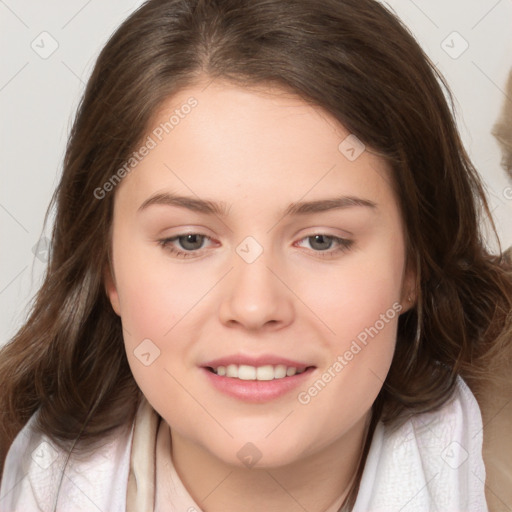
(261, 360)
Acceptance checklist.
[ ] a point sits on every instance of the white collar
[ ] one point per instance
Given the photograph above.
(431, 462)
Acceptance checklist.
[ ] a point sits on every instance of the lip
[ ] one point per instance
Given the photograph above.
(261, 360)
(256, 391)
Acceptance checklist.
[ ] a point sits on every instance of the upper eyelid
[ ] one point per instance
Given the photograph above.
(179, 235)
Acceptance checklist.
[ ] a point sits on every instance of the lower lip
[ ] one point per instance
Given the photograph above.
(257, 391)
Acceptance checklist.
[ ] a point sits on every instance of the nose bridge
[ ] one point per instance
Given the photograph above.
(254, 295)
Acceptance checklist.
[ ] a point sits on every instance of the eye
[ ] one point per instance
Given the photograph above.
(190, 242)
(322, 243)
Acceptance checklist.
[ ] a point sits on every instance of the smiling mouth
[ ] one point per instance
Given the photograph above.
(261, 373)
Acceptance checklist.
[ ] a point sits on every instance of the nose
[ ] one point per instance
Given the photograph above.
(256, 295)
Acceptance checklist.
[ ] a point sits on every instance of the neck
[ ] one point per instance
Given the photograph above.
(317, 483)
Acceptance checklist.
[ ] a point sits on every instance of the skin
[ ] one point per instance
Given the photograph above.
(258, 150)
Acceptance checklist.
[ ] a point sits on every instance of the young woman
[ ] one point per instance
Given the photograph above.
(268, 289)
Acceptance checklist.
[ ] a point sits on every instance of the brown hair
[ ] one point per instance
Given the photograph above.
(355, 59)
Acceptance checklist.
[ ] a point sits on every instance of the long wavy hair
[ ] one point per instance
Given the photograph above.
(355, 59)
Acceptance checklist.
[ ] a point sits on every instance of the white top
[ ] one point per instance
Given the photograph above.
(432, 462)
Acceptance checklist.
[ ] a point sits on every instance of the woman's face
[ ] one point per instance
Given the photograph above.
(253, 238)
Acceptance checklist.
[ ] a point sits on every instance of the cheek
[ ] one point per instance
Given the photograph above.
(363, 315)
(363, 287)
(153, 308)
(360, 306)
(159, 302)
(155, 293)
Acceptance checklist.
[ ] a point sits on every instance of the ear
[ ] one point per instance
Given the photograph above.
(111, 288)
(409, 288)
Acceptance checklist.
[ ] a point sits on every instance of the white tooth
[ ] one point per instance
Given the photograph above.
(279, 371)
(232, 370)
(265, 372)
(246, 372)
(291, 371)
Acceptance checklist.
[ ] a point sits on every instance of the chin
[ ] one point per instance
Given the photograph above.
(256, 454)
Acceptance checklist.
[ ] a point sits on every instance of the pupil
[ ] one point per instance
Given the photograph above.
(321, 238)
(195, 240)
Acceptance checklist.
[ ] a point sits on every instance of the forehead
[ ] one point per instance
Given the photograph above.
(259, 141)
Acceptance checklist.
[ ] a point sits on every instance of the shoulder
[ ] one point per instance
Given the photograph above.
(433, 461)
(495, 399)
(39, 475)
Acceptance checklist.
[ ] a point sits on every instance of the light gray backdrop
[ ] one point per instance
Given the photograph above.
(48, 49)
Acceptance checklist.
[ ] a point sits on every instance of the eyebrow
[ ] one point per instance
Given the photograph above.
(221, 209)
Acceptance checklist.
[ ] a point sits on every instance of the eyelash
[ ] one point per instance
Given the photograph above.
(344, 245)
